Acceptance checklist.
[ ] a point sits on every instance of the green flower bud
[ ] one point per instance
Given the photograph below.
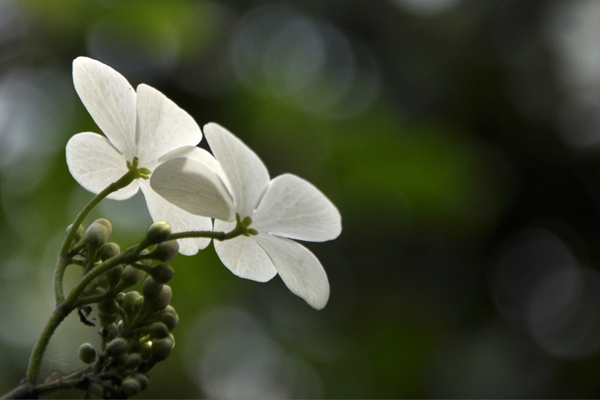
(108, 250)
(78, 234)
(166, 251)
(151, 288)
(170, 309)
(119, 361)
(106, 223)
(172, 339)
(137, 305)
(109, 306)
(130, 277)
(169, 319)
(116, 347)
(162, 273)
(161, 349)
(112, 331)
(158, 330)
(96, 235)
(132, 362)
(133, 346)
(163, 299)
(142, 379)
(128, 300)
(158, 232)
(252, 232)
(146, 349)
(130, 387)
(87, 354)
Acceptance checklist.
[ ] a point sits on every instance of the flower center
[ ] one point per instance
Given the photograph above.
(140, 172)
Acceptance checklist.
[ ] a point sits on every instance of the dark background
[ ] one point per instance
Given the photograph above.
(459, 139)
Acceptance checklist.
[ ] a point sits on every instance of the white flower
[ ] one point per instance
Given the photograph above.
(146, 125)
(281, 209)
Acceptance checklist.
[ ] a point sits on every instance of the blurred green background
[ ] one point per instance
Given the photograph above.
(460, 140)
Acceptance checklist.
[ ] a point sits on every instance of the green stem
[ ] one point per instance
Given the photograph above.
(97, 298)
(126, 257)
(63, 257)
(220, 236)
(64, 308)
(92, 253)
(57, 316)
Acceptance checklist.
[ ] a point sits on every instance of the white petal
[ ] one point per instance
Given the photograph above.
(193, 186)
(299, 269)
(161, 126)
(294, 208)
(180, 221)
(247, 174)
(198, 154)
(110, 100)
(243, 256)
(95, 164)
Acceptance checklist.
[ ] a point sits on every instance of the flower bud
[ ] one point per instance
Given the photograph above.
(78, 234)
(130, 277)
(137, 305)
(151, 288)
(169, 319)
(132, 361)
(166, 251)
(116, 347)
(142, 379)
(170, 309)
(96, 235)
(163, 299)
(162, 273)
(146, 349)
(106, 223)
(158, 232)
(112, 331)
(161, 349)
(108, 250)
(128, 300)
(130, 387)
(87, 354)
(158, 330)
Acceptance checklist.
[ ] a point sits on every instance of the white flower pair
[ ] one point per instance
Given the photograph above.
(189, 186)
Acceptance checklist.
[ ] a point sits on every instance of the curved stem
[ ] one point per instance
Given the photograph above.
(57, 316)
(126, 257)
(63, 257)
(64, 308)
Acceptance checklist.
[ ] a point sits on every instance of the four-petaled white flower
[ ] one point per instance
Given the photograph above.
(146, 125)
(281, 209)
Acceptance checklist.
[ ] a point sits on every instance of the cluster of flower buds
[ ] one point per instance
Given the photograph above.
(135, 327)
(136, 332)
